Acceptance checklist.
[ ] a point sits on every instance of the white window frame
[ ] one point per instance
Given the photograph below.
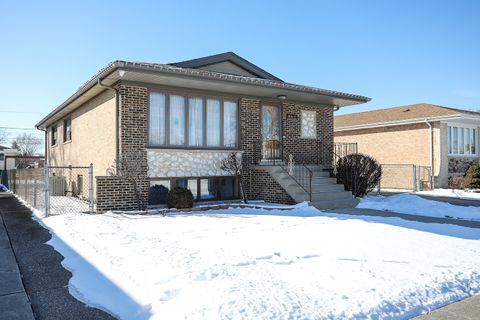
(450, 140)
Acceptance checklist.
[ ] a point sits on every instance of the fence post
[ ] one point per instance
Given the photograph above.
(414, 169)
(35, 192)
(90, 187)
(46, 190)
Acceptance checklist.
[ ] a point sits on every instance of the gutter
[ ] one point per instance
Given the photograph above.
(402, 122)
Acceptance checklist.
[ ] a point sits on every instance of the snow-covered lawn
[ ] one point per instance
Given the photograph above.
(258, 264)
(411, 204)
(453, 193)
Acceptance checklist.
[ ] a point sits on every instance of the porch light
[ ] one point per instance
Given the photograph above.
(282, 97)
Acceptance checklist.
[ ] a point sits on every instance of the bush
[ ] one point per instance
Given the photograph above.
(157, 194)
(359, 173)
(473, 176)
(180, 198)
(459, 182)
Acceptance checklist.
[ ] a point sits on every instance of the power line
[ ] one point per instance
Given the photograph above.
(16, 128)
(22, 112)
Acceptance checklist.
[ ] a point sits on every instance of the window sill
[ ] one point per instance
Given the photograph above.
(67, 142)
(463, 155)
(198, 149)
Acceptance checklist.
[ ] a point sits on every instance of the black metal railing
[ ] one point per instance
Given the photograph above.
(273, 152)
(334, 152)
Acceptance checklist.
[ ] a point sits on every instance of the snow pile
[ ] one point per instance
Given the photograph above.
(453, 193)
(411, 204)
(247, 263)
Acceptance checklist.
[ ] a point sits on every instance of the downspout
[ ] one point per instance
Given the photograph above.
(117, 119)
(430, 137)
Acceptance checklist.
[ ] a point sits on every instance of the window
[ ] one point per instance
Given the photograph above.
(2, 156)
(213, 123)
(462, 141)
(177, 120)
(230, 124)
(309, 124)
(67, 130)
(157, 118)
(195, 121)
(54, 136)
(192, 121)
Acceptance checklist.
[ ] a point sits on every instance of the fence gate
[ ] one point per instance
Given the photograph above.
(405, 177)
(68, 189)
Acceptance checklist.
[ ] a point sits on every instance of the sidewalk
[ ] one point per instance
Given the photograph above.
(468, 309)
(44, 293)
(410, 217)
(14, 302)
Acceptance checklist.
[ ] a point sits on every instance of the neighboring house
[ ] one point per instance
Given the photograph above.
(445, 139)
(5, 152)
(180, 120)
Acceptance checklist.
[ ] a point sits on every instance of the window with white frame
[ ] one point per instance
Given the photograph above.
(462, 141)
(192, 121)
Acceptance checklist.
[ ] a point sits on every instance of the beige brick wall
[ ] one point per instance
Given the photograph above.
(392, 145)
(404, 144)
(93, 136)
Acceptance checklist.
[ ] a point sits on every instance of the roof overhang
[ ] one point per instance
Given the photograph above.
(167, 75)
(457, 118)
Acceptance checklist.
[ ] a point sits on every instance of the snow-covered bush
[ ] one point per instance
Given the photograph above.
(359, 173)
(157, 194)
(180, 198)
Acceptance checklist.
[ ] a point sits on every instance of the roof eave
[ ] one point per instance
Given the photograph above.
(350, 99)
(404, 122)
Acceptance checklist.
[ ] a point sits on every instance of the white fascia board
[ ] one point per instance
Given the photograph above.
(399, 122)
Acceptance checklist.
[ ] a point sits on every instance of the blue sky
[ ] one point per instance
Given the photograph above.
(396, 52)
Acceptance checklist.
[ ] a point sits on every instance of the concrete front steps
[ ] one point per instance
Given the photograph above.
(326, 193)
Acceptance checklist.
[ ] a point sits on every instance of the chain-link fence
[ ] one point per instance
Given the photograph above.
(405, 177)
(70, 189)
(52, 189)
(28, 184)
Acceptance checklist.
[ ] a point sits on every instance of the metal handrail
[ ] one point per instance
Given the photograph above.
(277, 154)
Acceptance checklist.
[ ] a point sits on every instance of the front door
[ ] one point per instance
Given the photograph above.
(271, 149)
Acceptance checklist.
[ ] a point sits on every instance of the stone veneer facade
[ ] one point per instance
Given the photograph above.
(163, 163)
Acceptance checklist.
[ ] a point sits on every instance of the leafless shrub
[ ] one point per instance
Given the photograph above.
(232, 164)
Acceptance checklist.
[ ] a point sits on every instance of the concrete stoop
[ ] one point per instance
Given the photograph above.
(326, 193)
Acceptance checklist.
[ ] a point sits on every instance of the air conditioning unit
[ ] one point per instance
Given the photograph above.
(58, 186)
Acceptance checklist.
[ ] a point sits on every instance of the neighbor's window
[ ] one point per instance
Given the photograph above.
(54, 136)
(462, 141)
(309, 124)
(67, 130)
(192, 121)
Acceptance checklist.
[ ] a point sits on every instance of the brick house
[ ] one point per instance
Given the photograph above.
(441, 138)
(182, 119)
